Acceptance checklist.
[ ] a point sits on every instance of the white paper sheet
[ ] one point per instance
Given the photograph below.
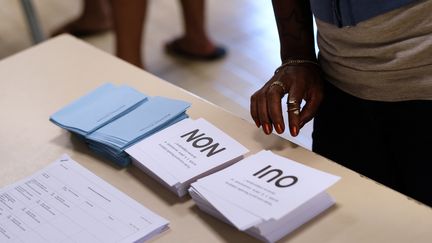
(64, 202)
(267, 185)
(186, 150)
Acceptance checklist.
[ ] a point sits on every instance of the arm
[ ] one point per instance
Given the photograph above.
(295, 27)
(301, 80)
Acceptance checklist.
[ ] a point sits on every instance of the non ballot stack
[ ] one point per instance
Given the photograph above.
(112, 118)
(265, 195)
(184, 152)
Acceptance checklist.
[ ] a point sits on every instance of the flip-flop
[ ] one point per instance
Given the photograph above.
(173, 48)
(76, 30)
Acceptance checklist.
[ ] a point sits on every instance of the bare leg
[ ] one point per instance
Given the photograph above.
(129, 19)
(195, 38)
(195, 43)
(95, 18)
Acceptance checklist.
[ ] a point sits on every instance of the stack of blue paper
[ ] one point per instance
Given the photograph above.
(112, 118)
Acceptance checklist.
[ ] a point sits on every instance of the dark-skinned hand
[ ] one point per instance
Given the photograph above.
(301, 82)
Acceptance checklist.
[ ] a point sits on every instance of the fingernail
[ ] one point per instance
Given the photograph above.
(278, 127)
(257, 123)
(266, 128)
(294, 131)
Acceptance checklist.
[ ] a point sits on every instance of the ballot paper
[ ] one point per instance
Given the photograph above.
(265, 195)
(112, 118)
(184, 152)
(151, 116)
(65, 202)
(97, 108)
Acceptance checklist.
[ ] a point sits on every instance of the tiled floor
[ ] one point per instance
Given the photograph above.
(245, 27)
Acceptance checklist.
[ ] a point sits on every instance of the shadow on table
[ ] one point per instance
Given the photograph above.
(156, 187)
(232, 235)
(227, 232)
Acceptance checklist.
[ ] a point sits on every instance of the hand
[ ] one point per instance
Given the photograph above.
(301, 82)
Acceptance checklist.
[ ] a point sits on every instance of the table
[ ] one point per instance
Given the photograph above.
(38, 81)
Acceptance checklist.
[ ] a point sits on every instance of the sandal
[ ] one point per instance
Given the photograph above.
(173, 48)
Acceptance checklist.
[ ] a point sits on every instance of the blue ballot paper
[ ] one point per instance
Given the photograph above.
(119, 156)
(98, 108)
(112, 118)
(152, 116)
(141, 122)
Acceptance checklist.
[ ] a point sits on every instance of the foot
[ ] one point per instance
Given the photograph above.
(85, 26)
(200, 51)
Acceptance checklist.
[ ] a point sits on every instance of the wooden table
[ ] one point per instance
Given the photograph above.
(37, 82)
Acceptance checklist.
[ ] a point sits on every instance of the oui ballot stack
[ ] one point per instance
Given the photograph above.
(184, 152)
(265, 195)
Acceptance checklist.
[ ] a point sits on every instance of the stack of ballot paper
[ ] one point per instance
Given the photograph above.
(112, 118)
(65, 202)
(265, 195)
(184, 152)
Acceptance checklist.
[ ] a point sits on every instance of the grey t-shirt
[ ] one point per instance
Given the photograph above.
(386, 58)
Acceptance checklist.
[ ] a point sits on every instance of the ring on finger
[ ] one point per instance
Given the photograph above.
(292, 102)
(294, 110)
(280, 84)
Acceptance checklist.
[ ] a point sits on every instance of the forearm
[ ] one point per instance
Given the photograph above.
(295, 26)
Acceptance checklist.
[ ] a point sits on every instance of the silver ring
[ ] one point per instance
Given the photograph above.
(280, 84)
(294, 110)
(292, 102)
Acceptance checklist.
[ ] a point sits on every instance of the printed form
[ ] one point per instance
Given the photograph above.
(65, 202)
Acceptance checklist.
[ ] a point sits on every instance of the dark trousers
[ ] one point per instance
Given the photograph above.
(390, 142)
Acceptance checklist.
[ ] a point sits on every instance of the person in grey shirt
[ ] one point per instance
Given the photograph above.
(369, 91)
